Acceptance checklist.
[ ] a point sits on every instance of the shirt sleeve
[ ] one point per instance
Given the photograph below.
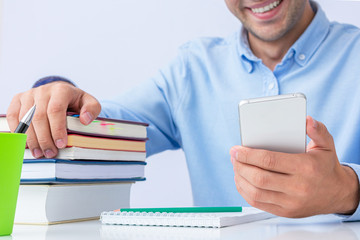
(356, 215)
(155, 102)
(50, 79)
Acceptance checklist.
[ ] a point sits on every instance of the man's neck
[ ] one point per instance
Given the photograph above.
(272, 52)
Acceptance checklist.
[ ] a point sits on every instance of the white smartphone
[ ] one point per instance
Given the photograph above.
(276, 123)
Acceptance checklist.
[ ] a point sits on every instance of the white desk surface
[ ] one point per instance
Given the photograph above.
(319, 227)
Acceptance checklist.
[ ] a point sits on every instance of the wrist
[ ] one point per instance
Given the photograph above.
(350, 192)
(50, 79)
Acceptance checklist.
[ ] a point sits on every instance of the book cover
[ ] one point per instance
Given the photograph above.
(84, 141)
(72, 153)
(50, 204)
(45, 169)
(101, 127)
(54, 181)
(108, 127)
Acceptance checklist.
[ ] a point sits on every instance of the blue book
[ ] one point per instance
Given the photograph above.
(70, 171)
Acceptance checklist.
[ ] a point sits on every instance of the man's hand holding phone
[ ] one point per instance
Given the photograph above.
(297, 185)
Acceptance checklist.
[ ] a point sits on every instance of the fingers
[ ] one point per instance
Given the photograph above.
(57, 108)
(90, 108)
(320, 136)
(273, 161)
(263, 179)
(41, 126)
(262, 199)
(19, 105)
(56, 113)
(12, 115)
(281, 203)
(32, 143)
(48, 132)
(49, 122)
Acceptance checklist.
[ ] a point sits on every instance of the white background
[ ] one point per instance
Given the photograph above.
(107, 46)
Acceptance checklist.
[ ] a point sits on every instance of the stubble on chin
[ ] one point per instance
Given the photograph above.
(276, 30)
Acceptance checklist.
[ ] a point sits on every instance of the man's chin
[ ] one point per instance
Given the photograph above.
(267, 35)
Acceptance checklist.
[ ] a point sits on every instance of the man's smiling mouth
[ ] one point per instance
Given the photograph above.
(266, 8)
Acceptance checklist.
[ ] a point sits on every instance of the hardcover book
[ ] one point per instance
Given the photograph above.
(84, 141)
(101, 127)
(107, 127)
(72, 153)
(55, 169)
(50, 204)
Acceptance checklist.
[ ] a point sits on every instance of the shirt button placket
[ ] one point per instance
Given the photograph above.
(271, 86)
(270, 82)
(302, 57)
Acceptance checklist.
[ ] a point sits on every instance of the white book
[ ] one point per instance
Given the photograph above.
(72, 153)
(51, 204)
(207, 220)
(38, 169)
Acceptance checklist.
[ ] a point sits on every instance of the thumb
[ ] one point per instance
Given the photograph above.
(89, 108)
(320, 136)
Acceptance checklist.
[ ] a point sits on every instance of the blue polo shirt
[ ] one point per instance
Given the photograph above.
(193, 102)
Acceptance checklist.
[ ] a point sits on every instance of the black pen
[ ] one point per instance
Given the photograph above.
(25, 121)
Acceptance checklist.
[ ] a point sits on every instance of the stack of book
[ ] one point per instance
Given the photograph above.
(94, 173)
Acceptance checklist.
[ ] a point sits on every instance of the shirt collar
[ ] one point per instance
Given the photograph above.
(247, 57)
(305, 47)
(302, 50)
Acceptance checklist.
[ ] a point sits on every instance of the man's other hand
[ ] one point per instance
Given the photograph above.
(47, 133)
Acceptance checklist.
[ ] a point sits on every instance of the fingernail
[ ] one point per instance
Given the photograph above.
(234, 154)
(49, 153)
(37, 153)
(60, 143)
(88, 117)
(315, 123)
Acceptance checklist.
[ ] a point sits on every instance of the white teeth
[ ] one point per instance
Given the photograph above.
(266, 8)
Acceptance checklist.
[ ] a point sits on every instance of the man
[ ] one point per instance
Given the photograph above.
(285, 46)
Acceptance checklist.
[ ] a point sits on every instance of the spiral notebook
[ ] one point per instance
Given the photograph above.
(207, 220)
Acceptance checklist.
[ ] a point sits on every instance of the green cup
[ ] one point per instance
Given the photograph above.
(12, 147)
